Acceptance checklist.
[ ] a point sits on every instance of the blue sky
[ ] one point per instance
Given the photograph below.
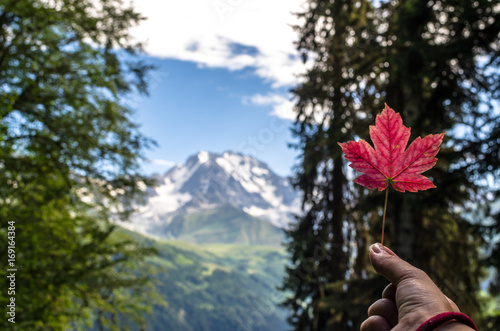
(191, 109)
(224, 71)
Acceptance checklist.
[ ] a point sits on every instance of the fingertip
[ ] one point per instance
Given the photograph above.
(375, 323)
(385, 308)
(388, 264)
(377, 252)
(389, 251)
(376, 248)
(390, 292)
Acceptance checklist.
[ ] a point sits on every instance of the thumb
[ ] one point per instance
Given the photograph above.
(389, 265)
(417, 296)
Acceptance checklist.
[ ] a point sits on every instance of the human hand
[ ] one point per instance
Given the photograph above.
(411, 299)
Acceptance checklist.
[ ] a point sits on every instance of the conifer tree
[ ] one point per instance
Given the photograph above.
(432, 62)
(339, 37)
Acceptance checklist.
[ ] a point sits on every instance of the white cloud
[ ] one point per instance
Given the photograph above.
(163, 162)
(208, 31)
(282, 106)
(265, 100)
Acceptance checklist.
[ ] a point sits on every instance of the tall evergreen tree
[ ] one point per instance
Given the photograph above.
(69, 156)
(339, 36)
(432, 62)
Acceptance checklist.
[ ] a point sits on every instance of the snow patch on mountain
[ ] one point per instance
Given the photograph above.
(203, 157)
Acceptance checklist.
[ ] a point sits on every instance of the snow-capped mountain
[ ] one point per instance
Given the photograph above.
(209, 180)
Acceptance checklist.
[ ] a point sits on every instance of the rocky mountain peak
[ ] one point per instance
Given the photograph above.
(209, 180)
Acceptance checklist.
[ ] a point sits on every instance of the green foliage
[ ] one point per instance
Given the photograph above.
(225, 224)
(218, 286)
(69, 157)
(434, 62)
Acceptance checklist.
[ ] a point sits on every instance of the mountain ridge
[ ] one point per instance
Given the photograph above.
(207, 181)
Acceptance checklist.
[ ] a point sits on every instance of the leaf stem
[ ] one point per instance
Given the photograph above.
(383, 219)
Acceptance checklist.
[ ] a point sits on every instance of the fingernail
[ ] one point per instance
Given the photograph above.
(376, 248)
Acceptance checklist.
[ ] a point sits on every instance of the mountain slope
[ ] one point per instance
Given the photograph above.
(207, 181)
(217, 287)
(224, 224)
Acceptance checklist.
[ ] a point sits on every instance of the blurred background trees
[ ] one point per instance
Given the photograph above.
(69, 156)
(436, 63)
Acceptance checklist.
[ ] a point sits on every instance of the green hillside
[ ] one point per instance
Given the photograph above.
(230, 285)
(225, 224)
(219, 287)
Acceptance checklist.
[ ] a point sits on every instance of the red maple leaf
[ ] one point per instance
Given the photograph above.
(389, 162)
